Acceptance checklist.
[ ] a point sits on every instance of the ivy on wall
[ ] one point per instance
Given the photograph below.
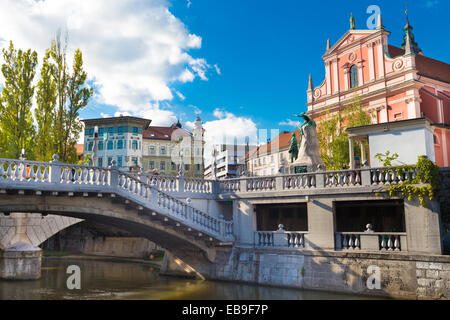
(423, 185)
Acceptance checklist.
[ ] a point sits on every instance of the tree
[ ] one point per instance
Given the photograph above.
(45, 112)
(333, 139)
(78, 98)
(17, 131)
(72, 96)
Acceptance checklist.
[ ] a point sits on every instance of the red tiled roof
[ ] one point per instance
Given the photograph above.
(79, 148)
(159, 133)
(426, 66)
(283, 140)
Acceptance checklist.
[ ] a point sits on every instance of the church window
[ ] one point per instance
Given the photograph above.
(353, 76)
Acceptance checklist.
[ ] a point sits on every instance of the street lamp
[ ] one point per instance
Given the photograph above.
(95, 147)
(215, 163)
(180, 172)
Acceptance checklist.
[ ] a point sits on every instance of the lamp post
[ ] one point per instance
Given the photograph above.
(95, 147)
(180, 172)
(215, 163)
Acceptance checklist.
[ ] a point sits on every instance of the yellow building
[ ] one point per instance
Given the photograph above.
(164, 149)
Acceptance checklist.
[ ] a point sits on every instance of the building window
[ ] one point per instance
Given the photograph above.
(109, 161)
(135, 145)
(90, 146)
(151, 149)
(163, 150)
(435, 139)
(100, 145)
(174, 166)
(197, 167)
(187, 167)
(135, 161)
(353, 76)
(120, 144)
(111, 130)
(163, 165)
(110, 145)
(151, 164)
(398, 116)
(100, 162)
(119, 161)
(135, 130)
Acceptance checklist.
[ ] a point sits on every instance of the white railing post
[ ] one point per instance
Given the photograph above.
(113, 179)
(243, 185)
(55, 170)
(181, 184)
(366, 179)
(320, 182)
(279, 183)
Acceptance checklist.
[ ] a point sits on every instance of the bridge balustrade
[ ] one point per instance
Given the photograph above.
(58, 177)
(371, 241)
(280, 239)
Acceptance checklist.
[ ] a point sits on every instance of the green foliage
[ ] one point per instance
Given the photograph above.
(45, 112)
(72, 96)
(386, 158)
(86, 161)
(59, 98)
(16, 120)
(333, 139)
(413, 188)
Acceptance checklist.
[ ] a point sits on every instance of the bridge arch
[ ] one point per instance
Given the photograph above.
(110, 209)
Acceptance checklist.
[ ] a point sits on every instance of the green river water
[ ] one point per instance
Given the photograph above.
(105, 279)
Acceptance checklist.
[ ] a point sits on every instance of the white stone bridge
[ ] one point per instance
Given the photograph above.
(210, 227)
(111, 197)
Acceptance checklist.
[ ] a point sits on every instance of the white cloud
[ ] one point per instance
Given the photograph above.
(290, 123)
(189, 3)
(226, 128)
(133, 50)
(180, 95)
(217, 69)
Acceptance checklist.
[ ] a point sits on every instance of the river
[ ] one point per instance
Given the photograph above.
(106, 279)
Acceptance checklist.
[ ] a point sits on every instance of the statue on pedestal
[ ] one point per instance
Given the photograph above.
(305, 155)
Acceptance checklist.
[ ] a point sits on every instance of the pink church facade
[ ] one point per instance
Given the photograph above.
(393, 83)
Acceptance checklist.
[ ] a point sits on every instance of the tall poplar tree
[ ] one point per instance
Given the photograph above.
(17, 131)
(45, 112)
(71, 96)
(78, 97)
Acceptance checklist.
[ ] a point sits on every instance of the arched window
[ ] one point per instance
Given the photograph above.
(353, 76)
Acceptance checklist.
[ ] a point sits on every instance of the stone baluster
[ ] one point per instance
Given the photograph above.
(389, 243)
(397, 243)
(383, 243)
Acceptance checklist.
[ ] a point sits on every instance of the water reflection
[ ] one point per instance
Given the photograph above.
(125, 280)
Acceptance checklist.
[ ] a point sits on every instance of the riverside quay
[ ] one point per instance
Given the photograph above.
(330, 230)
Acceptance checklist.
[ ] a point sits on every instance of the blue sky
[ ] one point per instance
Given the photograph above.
(266, 49)
(243, 64)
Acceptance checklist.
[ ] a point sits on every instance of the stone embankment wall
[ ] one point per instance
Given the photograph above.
(401, 275)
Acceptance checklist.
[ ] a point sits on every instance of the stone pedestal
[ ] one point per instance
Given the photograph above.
(20, 261)
(309, 152)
